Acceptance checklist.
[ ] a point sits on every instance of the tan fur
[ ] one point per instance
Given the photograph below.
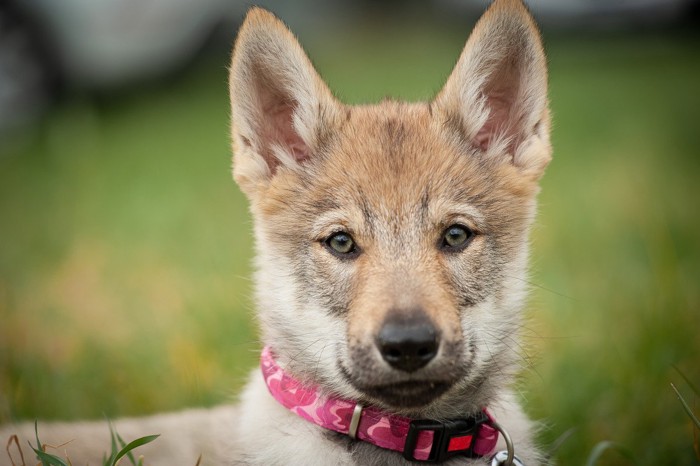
(393, 176)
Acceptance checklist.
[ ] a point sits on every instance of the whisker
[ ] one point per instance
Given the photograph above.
(531, 283)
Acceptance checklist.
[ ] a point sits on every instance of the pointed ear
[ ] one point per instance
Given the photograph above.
(280, 107)
(497, 93)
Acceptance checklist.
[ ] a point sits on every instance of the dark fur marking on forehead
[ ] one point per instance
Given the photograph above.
(324, 204)
(368, 214)
(394, 132)
(425, 204)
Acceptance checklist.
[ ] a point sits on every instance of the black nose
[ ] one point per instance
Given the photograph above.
(408, 344)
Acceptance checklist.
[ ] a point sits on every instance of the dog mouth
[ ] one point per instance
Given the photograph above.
(410, 394)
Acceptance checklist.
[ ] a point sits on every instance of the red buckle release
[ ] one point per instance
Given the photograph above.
(460, 443)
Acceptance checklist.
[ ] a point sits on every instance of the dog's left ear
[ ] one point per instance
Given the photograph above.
(497, 93)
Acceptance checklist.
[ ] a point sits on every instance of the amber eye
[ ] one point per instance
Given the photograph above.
(341, 244)
(455, 238)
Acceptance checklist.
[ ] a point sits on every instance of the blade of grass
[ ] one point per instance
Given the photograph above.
(696, 429)
(557, 444)
(129, 455)
(604, 446)
(113, 448)
(14, 439)
(116, 455)
(134, 444)
(46, 459)
(687, 381)
(687, 409)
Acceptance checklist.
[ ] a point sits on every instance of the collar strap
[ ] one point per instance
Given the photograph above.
(418, 440)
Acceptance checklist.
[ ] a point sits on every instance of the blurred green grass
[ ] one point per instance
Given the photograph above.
(125, 246)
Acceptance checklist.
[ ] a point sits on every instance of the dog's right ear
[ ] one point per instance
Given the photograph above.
(280, 107)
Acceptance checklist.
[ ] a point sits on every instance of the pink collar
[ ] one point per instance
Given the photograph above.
(421, 440)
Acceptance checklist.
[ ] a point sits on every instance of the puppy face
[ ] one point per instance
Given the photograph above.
(392, 238)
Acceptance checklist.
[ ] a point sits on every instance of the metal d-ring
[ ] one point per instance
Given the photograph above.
(510, 460)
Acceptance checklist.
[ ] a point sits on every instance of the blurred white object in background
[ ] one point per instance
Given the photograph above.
(103, 43)
(590, 14)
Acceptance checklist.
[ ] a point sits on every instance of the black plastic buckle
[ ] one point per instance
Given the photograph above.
(443, 433)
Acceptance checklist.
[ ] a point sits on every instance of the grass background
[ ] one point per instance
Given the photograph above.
(125, 246)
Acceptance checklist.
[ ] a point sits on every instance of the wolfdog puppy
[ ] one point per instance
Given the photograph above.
(392, 244)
